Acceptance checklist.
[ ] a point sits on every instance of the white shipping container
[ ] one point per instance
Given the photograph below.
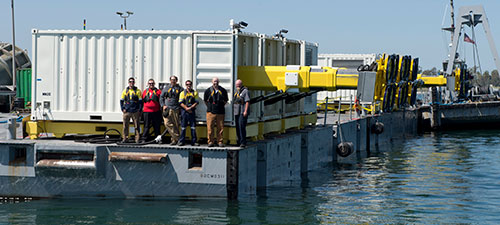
(345, 95)
(349, 61)
(80, 75)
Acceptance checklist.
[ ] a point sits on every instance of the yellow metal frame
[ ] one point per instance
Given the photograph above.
(433, 80)
(290, 123)
(306, 120)
(272, 78)
(255, 131)
(440, 80)
(272, 126)
(381, 81)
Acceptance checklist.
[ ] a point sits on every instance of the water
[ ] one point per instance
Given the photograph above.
(451, 177)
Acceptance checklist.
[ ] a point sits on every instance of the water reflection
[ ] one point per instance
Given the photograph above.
(436, 177)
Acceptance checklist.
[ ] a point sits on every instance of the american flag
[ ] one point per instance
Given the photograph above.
(468, 39)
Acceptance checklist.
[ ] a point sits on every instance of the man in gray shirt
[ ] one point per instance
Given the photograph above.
(241, 106)
(169, 100)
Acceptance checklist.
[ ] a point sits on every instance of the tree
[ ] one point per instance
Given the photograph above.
(495, 78)
(485, 79)
(432, 71)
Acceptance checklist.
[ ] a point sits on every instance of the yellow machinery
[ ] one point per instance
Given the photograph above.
(301, 78)
(433, 80)
(440, 80)
(395, 82)
(460, 77)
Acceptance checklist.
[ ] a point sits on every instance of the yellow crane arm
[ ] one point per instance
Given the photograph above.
(304, 78)
(433, 80)
(441, 79)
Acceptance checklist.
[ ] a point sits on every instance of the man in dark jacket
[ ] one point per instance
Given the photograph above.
(169, 100)
(151, 111)
(215, 98)
(131, 105)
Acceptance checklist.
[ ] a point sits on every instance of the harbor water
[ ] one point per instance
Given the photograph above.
(446, 177)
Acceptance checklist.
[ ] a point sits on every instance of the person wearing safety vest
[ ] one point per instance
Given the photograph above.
(131, 105)
(169, 100)
(241, 108)
(188, 103)
(215, 98)
(152, 113)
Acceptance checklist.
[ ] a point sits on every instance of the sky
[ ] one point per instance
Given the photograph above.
(409, 27)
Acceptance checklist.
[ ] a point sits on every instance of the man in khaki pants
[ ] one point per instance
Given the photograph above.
(169, 100)
(215, 98)
(131, 105)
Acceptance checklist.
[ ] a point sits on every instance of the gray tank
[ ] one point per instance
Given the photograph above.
(22, 61)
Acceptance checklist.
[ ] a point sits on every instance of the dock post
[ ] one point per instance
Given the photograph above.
(232, 174)
(436, 117)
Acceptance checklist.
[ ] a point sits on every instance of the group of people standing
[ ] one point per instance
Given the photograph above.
(177, 106)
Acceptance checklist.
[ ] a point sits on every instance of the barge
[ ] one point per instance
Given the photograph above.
(64, 168)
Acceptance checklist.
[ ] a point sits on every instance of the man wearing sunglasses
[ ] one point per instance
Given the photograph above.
(131, 105)
(188, 103)
(152, 113)
(169, 100)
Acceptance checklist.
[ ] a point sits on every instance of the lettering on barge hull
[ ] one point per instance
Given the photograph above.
(212, 176)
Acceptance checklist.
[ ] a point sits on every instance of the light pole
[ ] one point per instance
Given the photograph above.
(280, 33)
(13, 49)
(122, 15)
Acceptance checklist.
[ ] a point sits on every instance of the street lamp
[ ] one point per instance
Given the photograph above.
(122, 15)
(280, 33)
(238, 26)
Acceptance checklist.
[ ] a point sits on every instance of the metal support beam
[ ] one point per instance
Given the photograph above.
(470, 16)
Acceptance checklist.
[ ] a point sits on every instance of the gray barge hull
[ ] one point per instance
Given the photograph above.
(57, 168)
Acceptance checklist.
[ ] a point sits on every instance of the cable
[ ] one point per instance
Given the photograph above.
(156, 140)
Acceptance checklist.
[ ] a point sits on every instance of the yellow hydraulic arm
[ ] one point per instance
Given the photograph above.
(303, 78)
(433, 80)
(440, 80)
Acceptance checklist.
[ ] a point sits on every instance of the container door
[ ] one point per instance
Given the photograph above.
(309, 55)
(213, 57)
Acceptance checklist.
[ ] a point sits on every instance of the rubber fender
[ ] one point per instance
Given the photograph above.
(377, 128)
(344, 149)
